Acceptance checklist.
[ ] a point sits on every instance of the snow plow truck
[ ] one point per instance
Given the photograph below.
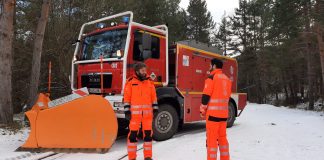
(103, 59)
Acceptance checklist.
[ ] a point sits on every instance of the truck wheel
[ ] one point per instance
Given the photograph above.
(165, 123)
(231, 115)
(122, 126)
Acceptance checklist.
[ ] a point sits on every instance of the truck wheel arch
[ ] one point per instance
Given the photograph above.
(171, 96)
(235, 105)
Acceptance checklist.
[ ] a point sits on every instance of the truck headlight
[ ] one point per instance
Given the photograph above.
(120, 54)
(118, 104)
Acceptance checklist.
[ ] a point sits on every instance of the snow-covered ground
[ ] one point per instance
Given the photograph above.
(263, 132)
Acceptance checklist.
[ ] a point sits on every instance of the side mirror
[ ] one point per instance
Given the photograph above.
(147, 46)
(146, 54)
(147, 42)
(75, 42)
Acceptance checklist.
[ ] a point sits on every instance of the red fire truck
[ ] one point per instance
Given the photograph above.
(109, 53)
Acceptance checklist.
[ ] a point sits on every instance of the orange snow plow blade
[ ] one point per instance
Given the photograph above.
(87, 122)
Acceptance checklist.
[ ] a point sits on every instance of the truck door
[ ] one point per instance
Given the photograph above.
(184, 74)
(200, 67)
(152, 54)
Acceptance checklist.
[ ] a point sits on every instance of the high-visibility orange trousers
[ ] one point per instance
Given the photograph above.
(216, 138)
(145, 117)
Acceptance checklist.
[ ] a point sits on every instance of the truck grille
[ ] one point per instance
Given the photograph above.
(92, 80)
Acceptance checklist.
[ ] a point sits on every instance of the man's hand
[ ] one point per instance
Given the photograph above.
(127, 112)
(155, 109)
(203, 109)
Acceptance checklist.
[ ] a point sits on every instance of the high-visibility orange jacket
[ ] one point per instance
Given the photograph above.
(218, 91)
(139, 92)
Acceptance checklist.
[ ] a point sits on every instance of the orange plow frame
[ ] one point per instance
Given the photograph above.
(88, 122)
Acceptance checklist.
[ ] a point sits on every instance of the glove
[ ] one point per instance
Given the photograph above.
(203, 109)
(127, 112)
(155, 109)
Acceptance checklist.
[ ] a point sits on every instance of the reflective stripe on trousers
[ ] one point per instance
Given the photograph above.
(140, 112)
(213, 155)
(147, 149)
(224, 151)
(223, 147)
(213, 152)
(141, 106)
(131, 149)
(147, 145)
(147, 112)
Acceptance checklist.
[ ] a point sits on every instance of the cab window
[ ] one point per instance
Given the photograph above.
(146, 46)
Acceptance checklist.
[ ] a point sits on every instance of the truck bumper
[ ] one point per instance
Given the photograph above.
(241, 101)
(116, 102)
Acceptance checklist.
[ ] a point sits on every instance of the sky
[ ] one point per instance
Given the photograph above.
(217, 7)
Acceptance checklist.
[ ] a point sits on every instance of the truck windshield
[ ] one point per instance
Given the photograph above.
(105, 43)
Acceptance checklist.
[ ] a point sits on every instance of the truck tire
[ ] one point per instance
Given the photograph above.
(122, 126)
(165, 123)
(231, 115)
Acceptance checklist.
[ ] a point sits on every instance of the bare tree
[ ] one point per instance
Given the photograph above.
(37, 52)
(320, 41)
(320, 35)
(6, 38)
(309, 55)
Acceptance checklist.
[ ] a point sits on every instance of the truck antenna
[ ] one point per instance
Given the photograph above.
(101, 74)
(49, 77)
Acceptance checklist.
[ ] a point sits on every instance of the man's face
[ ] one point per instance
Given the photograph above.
(212, 67)
(143, 71)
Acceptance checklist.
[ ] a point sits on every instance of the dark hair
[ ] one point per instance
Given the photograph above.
(139, 65)
(217, 62)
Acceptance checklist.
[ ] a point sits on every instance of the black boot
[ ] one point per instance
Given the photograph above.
(148, 158)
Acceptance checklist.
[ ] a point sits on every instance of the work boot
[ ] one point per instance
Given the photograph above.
(148, 158)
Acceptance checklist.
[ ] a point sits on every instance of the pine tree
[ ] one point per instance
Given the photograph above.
(222, 37)
(200, 21)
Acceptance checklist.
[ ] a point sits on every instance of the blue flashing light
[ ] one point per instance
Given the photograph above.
(101, 25)
(126, 20)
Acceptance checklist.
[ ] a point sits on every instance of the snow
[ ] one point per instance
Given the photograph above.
(263, 132)
(9, 141)
(318, 105)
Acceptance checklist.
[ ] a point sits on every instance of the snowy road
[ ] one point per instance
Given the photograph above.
(263, 132)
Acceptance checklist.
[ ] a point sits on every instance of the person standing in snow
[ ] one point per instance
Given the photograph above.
(140, 102)
(214, 107)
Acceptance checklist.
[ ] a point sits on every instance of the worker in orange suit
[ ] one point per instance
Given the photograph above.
(216, 94)
(140, 103)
